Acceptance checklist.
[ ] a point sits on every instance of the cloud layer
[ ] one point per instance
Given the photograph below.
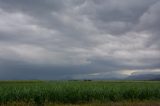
(57, 39)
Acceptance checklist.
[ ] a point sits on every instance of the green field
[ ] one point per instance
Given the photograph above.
(78, 92)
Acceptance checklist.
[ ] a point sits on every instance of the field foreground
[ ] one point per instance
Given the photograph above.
(148, 103)
(80, 93)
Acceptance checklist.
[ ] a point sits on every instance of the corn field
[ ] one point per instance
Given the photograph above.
(73, 92)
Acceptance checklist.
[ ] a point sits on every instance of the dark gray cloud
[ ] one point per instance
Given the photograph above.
(57, 39)
(114, 17)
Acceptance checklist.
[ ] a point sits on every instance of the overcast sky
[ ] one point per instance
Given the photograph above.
(64, 39)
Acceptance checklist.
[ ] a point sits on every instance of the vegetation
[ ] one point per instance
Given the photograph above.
(78, 92)
(146, 103)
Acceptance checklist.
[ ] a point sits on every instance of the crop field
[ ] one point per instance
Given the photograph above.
(80, 92)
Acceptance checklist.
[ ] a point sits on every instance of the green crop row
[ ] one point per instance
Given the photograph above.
(78, 91)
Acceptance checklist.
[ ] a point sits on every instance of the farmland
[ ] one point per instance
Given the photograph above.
(79, 92)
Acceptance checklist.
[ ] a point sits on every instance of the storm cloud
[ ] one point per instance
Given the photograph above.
(74, 39)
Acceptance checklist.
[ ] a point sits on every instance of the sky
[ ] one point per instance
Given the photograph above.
(78, 39)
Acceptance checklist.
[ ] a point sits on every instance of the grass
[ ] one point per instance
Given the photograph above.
(79, 92)
(148, 103)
